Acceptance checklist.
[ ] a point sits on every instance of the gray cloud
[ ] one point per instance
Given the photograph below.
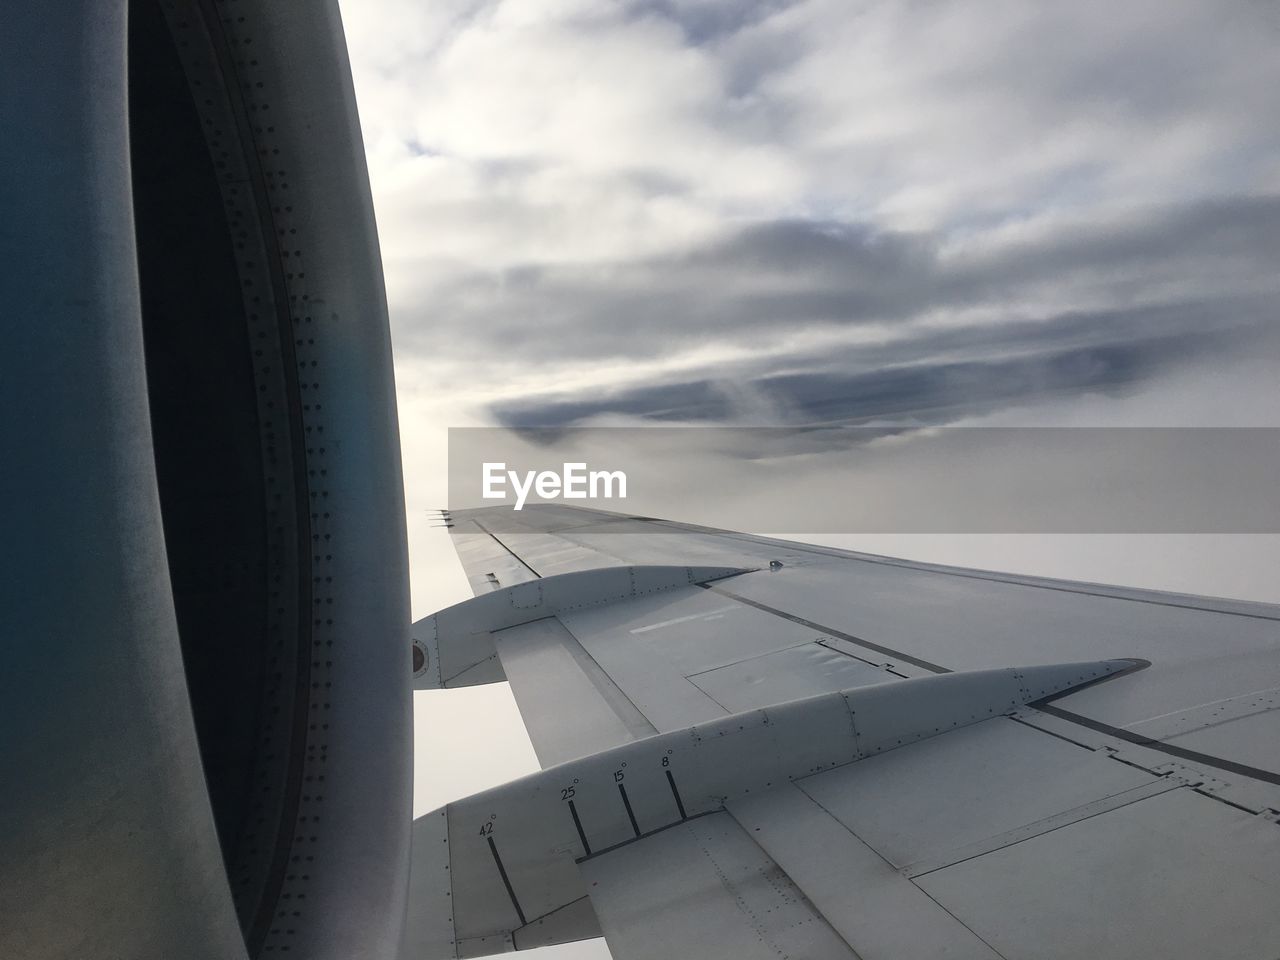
(821, 210)
(1167, 285)
(819, 274)
(921, 381)
(710, 20)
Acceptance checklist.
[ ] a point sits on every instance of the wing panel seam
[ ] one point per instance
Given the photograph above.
(499, 542)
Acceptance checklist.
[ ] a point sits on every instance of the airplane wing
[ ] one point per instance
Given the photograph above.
(758, 748)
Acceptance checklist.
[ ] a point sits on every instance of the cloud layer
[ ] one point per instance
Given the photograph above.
(786, 212)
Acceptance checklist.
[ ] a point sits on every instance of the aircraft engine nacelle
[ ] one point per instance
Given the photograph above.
(206, 740)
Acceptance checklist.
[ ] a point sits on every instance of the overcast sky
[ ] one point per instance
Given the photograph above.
(774, 213)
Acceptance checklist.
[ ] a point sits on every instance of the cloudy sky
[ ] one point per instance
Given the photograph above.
(777, 213)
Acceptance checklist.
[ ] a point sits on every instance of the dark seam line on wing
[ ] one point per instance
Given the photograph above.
(1074, 743)
(646, 836)
(836, 825)
(794, 646)
(540, 917)
(975, 933)
(693, 683)
(599, 680)
(851, 656)
(508, 549)
(478, 663)
(1229, 803)
(1221, 723)
(805, 901)
(676, 793)
(603, 683)
(966, 857)
(631, 814)
(586, 847)
(507, 882)
(759, 656)
(798, 784)
(1043, 705)
(906, 657)
(1194, 756)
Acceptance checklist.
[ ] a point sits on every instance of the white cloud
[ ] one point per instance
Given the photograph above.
(511, 140)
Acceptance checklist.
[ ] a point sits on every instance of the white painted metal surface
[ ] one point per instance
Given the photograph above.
(454, 648)
(706, 882)
(1171, 877)
(878, 911)
(511, 850)
(980, 782)
(548, 668)
(1134, 818)
(649, 647)
(786, 675)
(488, 564)
(923, 617)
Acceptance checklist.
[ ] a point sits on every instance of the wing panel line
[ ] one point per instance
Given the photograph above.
(1182, 753)
(498, 541)
(905, 657)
